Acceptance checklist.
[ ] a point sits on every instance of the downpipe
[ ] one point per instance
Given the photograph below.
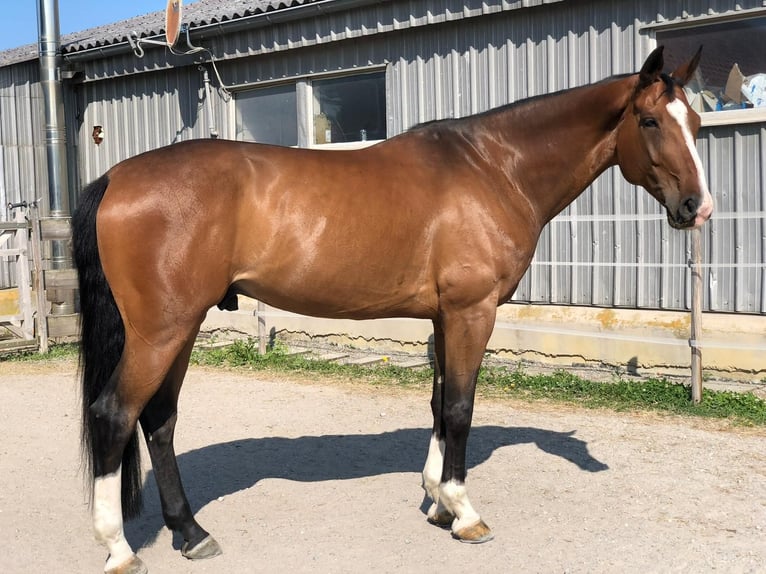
(49, 50)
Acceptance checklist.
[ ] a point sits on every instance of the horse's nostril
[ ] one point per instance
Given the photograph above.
(689, 208)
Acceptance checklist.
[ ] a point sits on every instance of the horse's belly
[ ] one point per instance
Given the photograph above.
(357, 294)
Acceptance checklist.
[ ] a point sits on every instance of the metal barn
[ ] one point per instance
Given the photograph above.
(346, 73)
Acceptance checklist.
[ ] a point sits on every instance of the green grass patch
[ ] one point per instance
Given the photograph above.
(244, 354)
(61, 352)
(649, 395)
(653, 395)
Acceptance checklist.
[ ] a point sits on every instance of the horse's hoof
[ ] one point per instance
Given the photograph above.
(441, 519)
(132, 566)
(208, 548)
(475, 534)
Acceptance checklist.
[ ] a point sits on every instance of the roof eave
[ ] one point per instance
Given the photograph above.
(220, 28)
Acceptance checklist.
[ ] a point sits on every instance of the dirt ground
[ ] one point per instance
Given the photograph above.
(296, 477)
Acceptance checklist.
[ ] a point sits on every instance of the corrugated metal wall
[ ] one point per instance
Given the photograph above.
(139, 113)
(735, 240)
(612, 247)
(23, 173)
(22, 121)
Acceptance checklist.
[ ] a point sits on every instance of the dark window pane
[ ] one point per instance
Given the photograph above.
(268, 115)
(348, 109)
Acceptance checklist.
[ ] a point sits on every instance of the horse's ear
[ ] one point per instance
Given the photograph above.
(652, 68)
(685, 72)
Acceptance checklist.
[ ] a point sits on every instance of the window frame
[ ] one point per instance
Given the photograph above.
(724, 117)
(304, 97)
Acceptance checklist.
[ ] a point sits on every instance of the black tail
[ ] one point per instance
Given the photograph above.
(102, 340)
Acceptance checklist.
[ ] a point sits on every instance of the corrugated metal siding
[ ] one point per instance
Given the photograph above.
(139, 113)
(736, 156)
(21, 134)
(263, 37)
(612, 247)
(22, 151)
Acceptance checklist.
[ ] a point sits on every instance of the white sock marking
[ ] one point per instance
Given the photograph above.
(432, 471)
(455, 498)
(107, 518)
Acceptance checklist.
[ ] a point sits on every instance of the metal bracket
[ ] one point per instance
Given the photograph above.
(137, 43)
(694, 344)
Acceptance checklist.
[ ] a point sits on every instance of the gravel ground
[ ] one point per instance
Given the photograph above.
(292, 476)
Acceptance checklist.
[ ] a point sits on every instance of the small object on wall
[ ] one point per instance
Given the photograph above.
(98, 134)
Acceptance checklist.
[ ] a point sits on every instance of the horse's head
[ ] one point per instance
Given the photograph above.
(656, 143)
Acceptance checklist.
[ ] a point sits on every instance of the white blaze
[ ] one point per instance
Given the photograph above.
(678, 111)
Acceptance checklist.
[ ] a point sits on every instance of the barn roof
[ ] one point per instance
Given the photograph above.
(199, 13)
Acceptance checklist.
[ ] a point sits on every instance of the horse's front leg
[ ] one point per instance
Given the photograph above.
(466, 333)
(432, 471)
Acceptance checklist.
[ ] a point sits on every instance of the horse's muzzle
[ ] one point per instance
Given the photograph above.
(691, 213)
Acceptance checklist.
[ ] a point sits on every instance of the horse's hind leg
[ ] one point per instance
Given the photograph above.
(139, 375)
(158, 423)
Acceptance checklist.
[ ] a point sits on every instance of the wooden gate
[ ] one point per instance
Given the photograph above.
(25, 310)
(16, 310)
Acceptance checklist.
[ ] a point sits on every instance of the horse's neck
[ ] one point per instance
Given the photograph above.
(558, 145)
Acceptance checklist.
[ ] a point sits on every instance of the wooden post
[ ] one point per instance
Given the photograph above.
(260, 313)
(39, 285)
(695, 340)
(23, 277)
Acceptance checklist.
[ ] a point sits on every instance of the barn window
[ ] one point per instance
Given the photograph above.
(268, 115)
(349, 109)
(732, 72)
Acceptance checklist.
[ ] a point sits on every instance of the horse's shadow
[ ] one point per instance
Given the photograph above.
(221, 469)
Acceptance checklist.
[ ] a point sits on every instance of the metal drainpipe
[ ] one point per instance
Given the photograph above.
(49, 47)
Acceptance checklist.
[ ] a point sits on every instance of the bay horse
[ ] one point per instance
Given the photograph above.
(437, 223)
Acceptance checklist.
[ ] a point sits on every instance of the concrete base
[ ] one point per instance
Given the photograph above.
(626, 340)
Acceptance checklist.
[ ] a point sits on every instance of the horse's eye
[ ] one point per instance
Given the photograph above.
(648, 123)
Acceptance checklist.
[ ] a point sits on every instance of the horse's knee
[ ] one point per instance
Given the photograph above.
(457, 416)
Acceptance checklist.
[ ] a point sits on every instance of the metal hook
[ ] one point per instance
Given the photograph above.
(18, 204)
(135, 44)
